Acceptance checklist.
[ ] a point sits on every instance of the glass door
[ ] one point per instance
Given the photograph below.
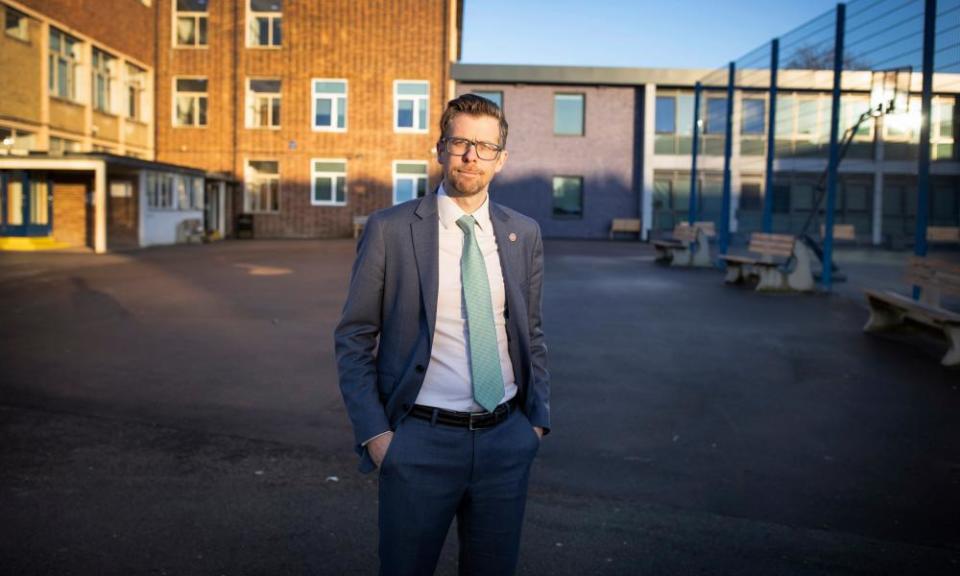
(25, 205)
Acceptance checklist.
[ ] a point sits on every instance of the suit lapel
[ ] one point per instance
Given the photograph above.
(426, 249)
(509, 250)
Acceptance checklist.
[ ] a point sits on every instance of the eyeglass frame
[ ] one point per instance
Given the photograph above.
(475, 143)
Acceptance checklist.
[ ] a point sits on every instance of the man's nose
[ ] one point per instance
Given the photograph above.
(471, 154)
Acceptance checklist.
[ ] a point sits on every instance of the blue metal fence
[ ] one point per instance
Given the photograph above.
(850, 119)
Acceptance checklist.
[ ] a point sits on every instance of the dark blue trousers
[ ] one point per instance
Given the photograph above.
(433, 473)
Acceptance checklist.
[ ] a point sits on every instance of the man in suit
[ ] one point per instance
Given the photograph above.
(442, 358)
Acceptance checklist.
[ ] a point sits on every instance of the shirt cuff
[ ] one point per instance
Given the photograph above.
(369, 440)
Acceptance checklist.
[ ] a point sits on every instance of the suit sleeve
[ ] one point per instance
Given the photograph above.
(540, 386)
(356, 337)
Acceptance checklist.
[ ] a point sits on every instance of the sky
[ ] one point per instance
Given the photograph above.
(631, 33)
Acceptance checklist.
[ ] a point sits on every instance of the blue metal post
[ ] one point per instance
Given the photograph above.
(923, 158)
(771, 137)
(827, 276)
(692, 213)
(724, 242)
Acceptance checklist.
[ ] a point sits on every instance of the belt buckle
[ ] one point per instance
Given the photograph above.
(470, 422)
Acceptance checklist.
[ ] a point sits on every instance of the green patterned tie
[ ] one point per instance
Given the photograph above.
(484, 356)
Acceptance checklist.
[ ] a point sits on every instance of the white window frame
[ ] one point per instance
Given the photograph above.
(420, 102)
(196, 16)
(72, 61)
(253, 98)
(102, 67)
(415, 177)
(334, 106)
(271, 17)
(251, 178)
(197, 96)
(314, 174)
(135, 80)
(160, 198)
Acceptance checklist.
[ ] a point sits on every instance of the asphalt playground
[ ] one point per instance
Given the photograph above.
(176, 411)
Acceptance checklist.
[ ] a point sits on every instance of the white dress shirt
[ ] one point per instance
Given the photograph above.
(447, 383)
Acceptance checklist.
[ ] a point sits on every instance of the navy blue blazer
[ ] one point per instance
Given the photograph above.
(384, 337)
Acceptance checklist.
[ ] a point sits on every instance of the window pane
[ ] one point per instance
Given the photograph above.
(323, 189)
(567, 196)
(413, 89)
(568, 114)
(753, 112)
(185, 113)
(15, 202)
(807, 117)
(186, 32)
(785, 116)
(411, 168)
(421, 187)
(404, 189)
(338, 167)
(263, 31)
(405, 114)
(422, 117)
(203, 31)
(666, 114)
(203, 111)
(191, 85)
(277, 29)
(330, 87)
(341, 112)
(324, 112)
(268, 86)
(264, 166)
(685, 114)
(716, 116)
(275, 106)
(341, 190)
(192, 5)
(266, 5)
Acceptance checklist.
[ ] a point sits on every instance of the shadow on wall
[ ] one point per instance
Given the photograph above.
(569, 205)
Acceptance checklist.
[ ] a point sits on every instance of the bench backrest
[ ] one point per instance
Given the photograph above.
(625, 225)
(943, 234)
(935, 276)
(772, 245)
(840, 231)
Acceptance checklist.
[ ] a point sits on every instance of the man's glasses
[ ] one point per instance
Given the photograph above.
(460, 146)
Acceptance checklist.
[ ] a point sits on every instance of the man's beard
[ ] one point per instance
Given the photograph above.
(464, 187)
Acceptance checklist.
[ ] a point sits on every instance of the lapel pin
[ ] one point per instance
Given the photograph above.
(512, 237)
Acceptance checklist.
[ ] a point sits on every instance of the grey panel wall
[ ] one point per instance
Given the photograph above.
(603, 156)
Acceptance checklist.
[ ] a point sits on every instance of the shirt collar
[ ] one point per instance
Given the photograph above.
(449, 211)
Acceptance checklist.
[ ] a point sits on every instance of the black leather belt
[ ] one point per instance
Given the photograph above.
(471, 420)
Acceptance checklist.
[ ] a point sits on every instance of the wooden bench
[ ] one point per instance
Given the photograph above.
(845, 232)
(946, 234)
(687, 246)
(890, 310)
(358, 223)
(783, 263)
(627, 225)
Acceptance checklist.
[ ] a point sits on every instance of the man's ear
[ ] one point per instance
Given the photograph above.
(500, 162)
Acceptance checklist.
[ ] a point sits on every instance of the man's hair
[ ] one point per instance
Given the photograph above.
(474, 106)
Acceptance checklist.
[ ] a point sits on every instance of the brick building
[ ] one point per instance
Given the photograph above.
(303, 114)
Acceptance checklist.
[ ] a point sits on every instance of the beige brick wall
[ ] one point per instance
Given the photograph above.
(20, 75)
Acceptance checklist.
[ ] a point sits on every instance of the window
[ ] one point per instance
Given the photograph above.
(942, 128)
(666, 115)
(494, 96)
(716, 116)
(328, 182)
(264, 23)
(330, 105)
(568, 114)
(410, 101)
(567, 197)
(191, 23)
(60, 145)
(751, 198)
(17, 25)
(190, 102)
(409, 180)
(752, 113)
(13, 140)
(807, 116)
(135, 89)
(159, 191)
(263, 103)
(262, 186)
(103, 65)
(189, 192)
(64, 57)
